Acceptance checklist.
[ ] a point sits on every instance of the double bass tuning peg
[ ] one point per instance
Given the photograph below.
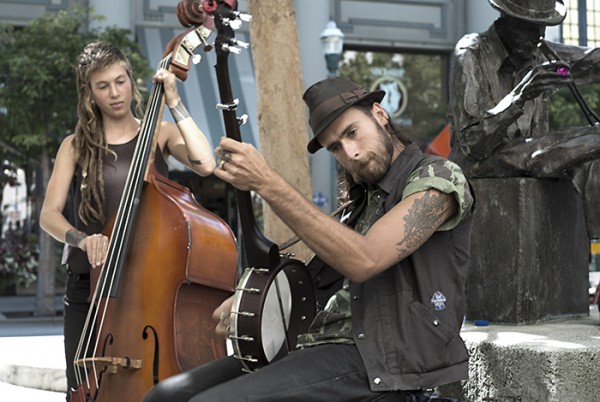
(207, 46)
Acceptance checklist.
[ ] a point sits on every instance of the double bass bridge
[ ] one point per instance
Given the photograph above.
(109, 365)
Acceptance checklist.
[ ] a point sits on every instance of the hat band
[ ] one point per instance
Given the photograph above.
(334, 103)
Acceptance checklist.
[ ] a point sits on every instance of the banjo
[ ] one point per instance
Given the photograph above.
(274, 301)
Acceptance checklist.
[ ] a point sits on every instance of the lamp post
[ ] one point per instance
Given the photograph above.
(332, 40)
(332, 43)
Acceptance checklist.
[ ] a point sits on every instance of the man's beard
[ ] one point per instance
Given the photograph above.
(375, 165)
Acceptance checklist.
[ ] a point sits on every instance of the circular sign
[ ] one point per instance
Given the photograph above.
(394, 101)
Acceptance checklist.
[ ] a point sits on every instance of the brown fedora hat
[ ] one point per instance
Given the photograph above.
(328, 99)
(545, 12)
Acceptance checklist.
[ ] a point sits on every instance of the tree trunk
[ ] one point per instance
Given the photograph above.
(281, 112)
(45, 291)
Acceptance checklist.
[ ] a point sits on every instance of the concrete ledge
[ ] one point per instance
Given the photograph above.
(549, 362)
(33, 362)
(47, 379)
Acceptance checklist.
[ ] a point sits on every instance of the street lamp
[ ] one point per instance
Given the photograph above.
(332, 40)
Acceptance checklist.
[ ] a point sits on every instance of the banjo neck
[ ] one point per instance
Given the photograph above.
(260, 251)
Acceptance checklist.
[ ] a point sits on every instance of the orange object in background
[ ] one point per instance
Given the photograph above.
(440, 145)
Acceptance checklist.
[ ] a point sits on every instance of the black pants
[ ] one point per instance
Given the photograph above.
(76, 306)
(322, 373)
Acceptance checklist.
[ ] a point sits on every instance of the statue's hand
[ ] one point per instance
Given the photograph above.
(544, 77)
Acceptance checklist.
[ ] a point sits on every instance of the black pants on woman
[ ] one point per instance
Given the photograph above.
(76, 306)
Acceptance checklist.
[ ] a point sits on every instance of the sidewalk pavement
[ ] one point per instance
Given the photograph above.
(31, 352)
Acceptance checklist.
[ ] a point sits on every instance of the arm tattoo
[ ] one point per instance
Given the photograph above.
(423, 217)
(200, 161)
(194, 161)
(74, 237)
(179, 112)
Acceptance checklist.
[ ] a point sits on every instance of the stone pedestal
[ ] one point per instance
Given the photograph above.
(529, 252)
(555, 361)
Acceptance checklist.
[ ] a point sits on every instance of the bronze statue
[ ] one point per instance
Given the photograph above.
(501, 82)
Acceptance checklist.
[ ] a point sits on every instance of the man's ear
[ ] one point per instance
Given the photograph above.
(380, 114)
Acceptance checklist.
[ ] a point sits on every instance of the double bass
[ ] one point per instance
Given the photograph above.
(170, 263)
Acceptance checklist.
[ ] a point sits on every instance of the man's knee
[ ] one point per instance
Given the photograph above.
(157, 394)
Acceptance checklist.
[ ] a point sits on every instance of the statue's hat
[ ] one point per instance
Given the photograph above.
(544, 12)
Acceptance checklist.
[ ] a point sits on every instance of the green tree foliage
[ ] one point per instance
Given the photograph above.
(38, 103)
(423, 79)
(427, 106)
(566, 112)
(37, 78)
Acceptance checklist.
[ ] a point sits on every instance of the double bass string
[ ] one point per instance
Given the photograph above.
(125, 217)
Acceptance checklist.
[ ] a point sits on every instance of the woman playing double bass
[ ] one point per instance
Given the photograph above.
(97, 157)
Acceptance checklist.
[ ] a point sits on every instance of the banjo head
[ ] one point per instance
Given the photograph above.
(271, 307)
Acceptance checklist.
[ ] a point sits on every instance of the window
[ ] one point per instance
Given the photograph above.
(582, 28)
(414, 84)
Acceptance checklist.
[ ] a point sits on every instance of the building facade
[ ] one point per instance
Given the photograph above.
(389, 27)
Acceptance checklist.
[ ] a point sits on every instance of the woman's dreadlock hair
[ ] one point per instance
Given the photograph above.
(345, 179)
(89, 142)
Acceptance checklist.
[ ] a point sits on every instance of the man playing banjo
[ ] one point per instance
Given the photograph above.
(399, 259)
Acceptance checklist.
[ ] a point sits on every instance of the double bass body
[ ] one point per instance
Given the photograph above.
(181, 265)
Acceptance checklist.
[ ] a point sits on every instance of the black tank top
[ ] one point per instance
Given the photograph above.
(115, 175)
